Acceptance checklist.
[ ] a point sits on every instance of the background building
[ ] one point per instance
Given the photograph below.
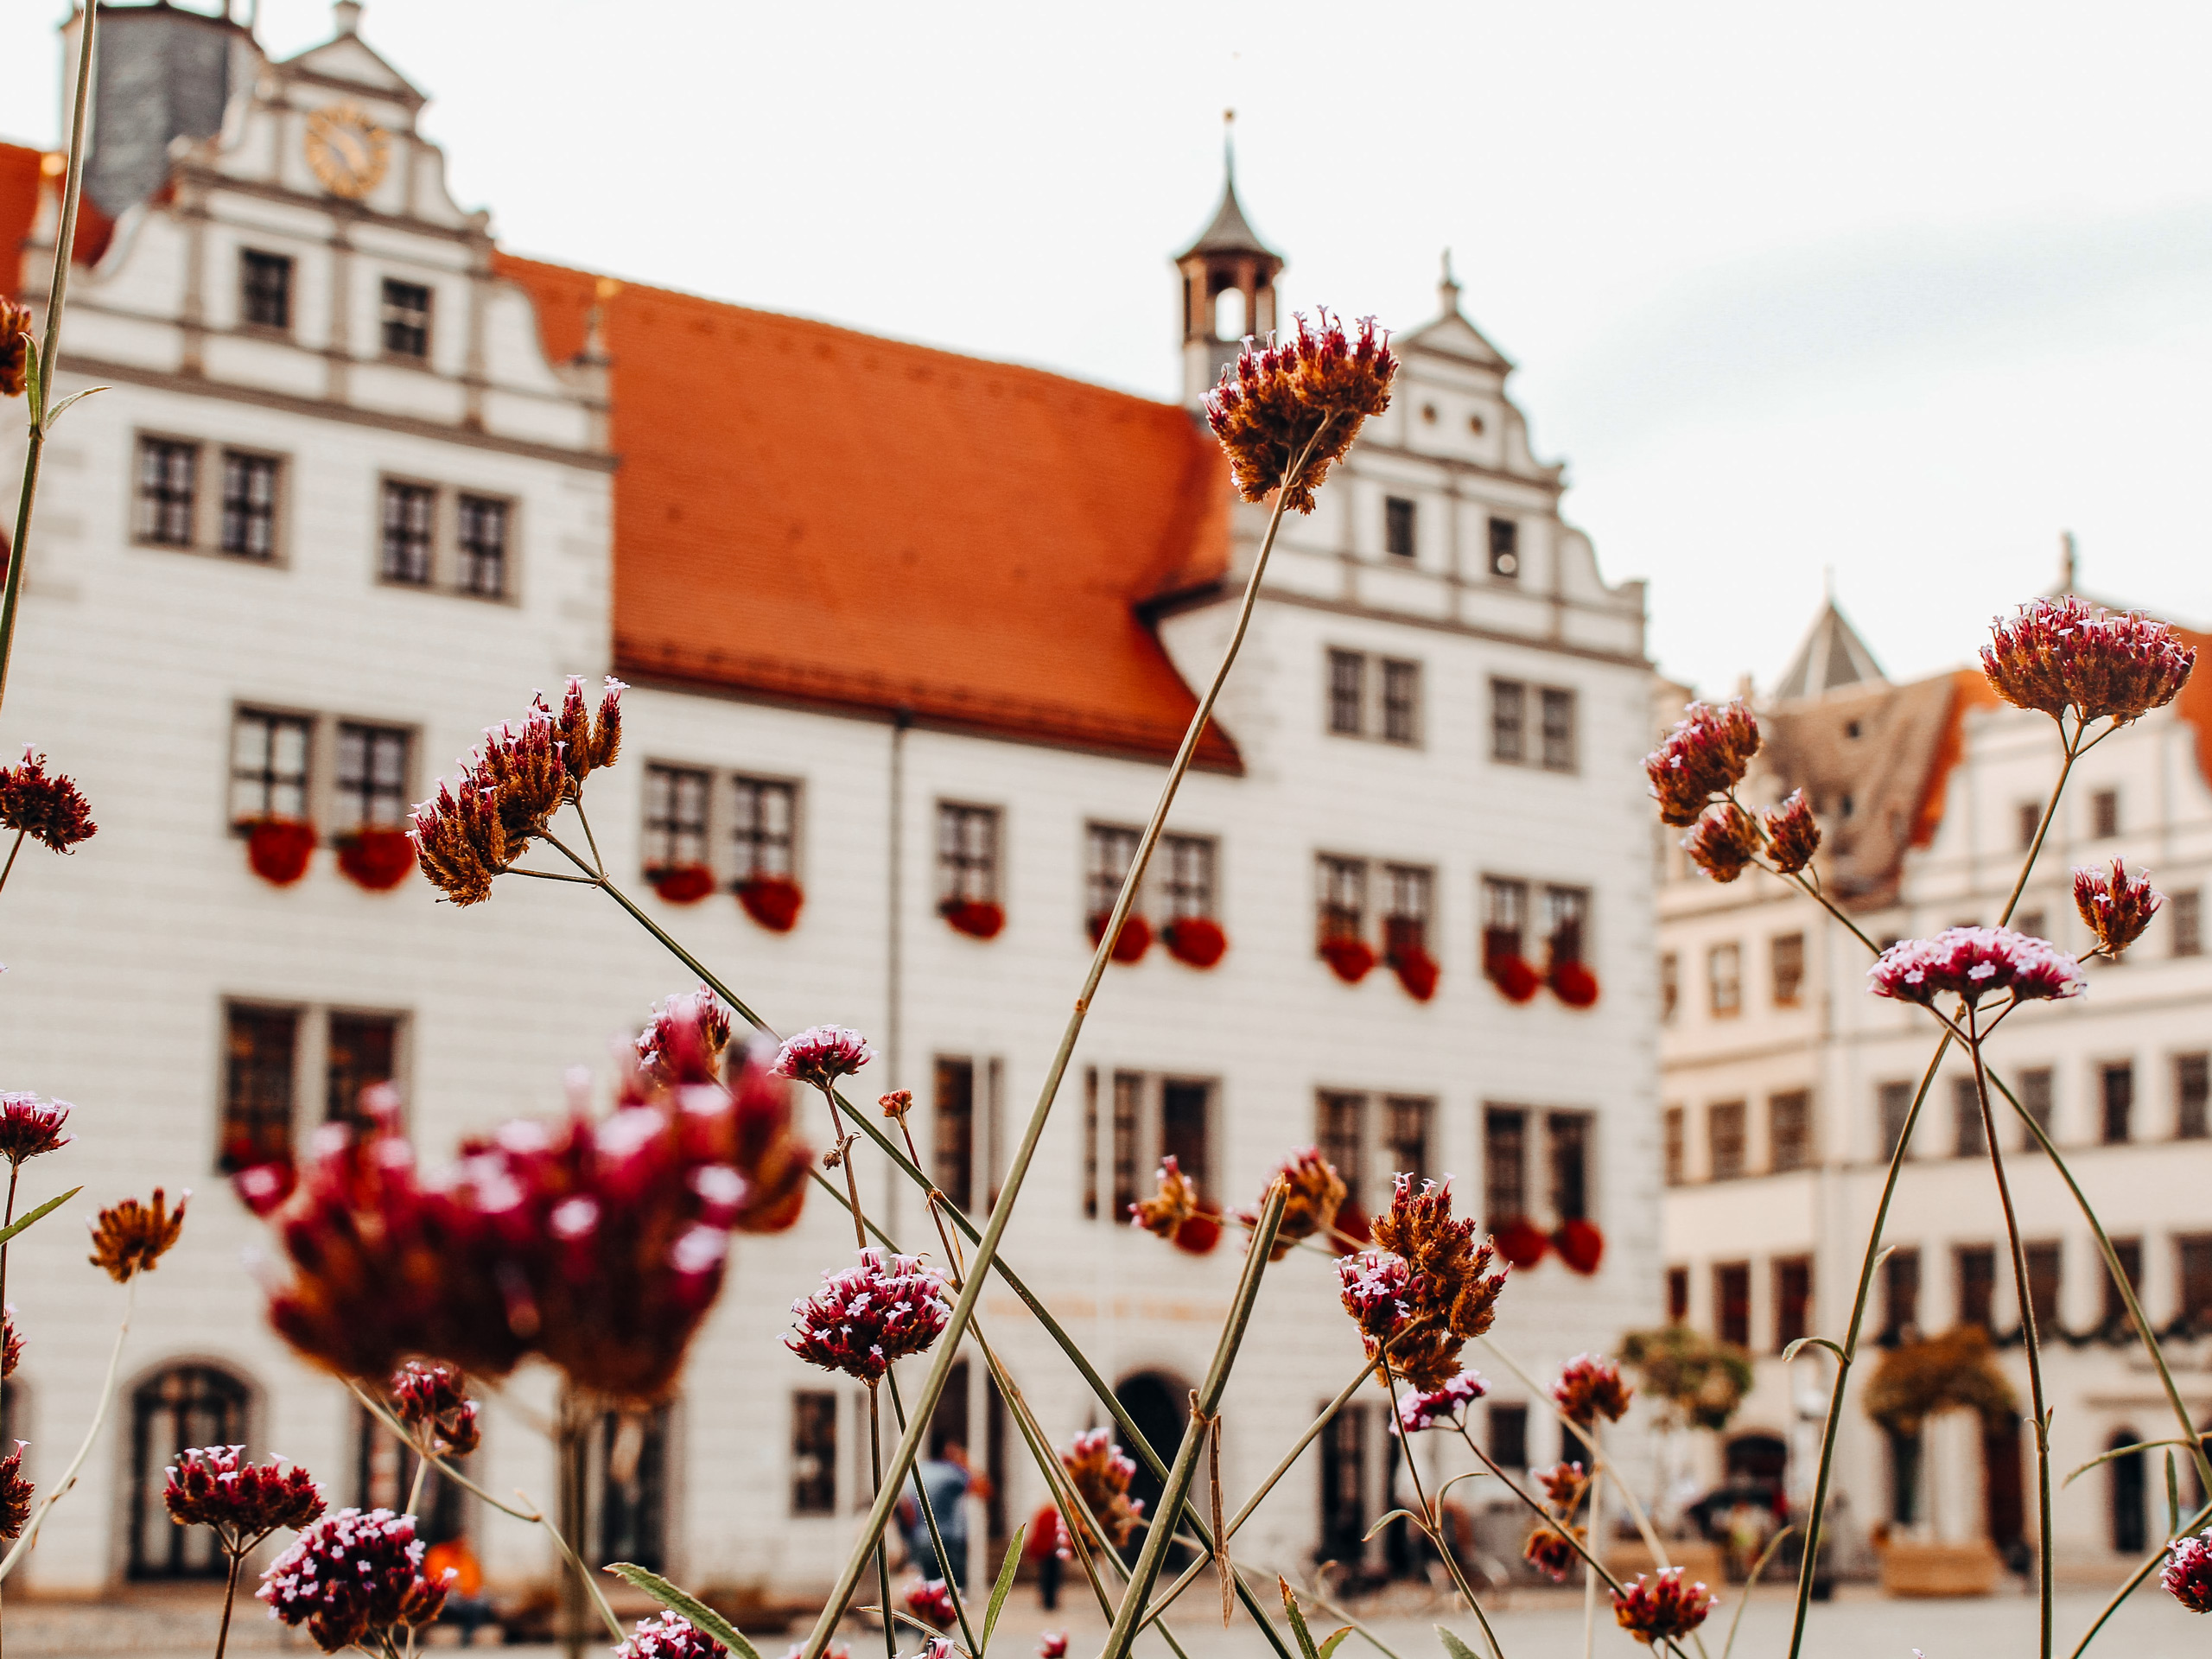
(908, 631)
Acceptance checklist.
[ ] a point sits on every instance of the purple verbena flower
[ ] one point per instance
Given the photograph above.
(353, 1574)
(433, 1400)
(30, 1125)
(1793, 835)
(670, 1636)
(822, 1054)
(2187, 1574)
(931, 1601)
(2062, 654)
(16, 1493)
(1376, 1288)
(1418, 1410)
(2117, 906)
(867, 1316)
(1723, 843)
(1972, 963)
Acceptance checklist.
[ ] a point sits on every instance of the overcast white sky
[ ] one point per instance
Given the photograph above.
(1903, 289)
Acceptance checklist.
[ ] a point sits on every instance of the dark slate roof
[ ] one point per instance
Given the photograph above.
(1231, 232)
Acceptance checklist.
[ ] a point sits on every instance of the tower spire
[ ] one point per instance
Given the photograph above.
(1447, 289)
(1229, 282)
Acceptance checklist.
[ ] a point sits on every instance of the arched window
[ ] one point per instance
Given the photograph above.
(1229, 314)
(1159, 1405)
(184, 1406)
(2130, 1525)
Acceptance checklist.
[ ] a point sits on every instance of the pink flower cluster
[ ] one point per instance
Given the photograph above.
(1375, 1286)
(865, 1319)
(44, 805)
(2117, 906)
(30, 1126)
(598, 1244)
(1053, 1644)
(351, 1576)
(214, 1486)
(16, 1493)
(670, 1637)
(931, 1601)
(1706, 754)
(1101, 1473)
(696, 1021)
(431, 1401)
(2187, 1574)
(1972, 963)
(1661, 1609)
(1305, 397)
(1589, 1388)
(2062, 654)
(822, 1054)
(1420, 1410)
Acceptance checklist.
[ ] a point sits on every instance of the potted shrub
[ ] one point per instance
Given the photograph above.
(681, 884)
(979, 919)
(1195, 940)
(1914, 1382)
(771, 901)
(377, 856)
(277, 848)
(1131, 942)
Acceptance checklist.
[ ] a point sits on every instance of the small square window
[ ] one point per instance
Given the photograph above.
(1504, 549)
(1559, 729)
(372, 788)
(1398, 527)
(967, 853)
(1723, 1136)
(1401, 702)
(1787, 952)
(1724, 974)
(406, 319)
(249, 527)
(2104, 814)
(265, 290)
(167, 478)
(765, 818)
(269, 766)
(260, 1048)
(2184, 913)
(481, 537)
(676, 817)
(1509, 701)
(1789, 1130)
(1342, 911)
(1190, 885)
(363, 1052)
(1347, 693)
(1675, 1147)
(410, 513)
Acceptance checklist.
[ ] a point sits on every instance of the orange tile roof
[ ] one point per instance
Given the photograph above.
(22, 182)
(808, 514)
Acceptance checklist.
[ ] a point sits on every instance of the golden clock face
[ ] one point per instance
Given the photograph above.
(348, 151)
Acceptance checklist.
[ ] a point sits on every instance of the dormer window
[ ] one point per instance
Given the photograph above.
(406, 319)
(265, 290)
(1398, 526)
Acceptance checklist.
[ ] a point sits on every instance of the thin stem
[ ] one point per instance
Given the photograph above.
(551, 875)
(377, 1409)
(421, 1472)
(2075, 749)
(85, 1448)
(844, 1149)
(929, 1519)
(1002, 1211)
(16, 847)
(230, 1595)
(1432, 1519)
(882, 1555)
(598, 864)
(1597, 1537)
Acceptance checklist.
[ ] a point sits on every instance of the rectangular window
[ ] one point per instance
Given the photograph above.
(168, 475)
(1342, 911)
(1505, 1166)
(952, 1150)
(814, 1451)
(1977, 1269)
(410, 513)
(1401, 701)
(1186, 1118)
(676, 817)
(372, 788)
(2130, 1252)
(1678, 1295)
(1398, 526)
(1967, 1138)
(2192, 1086)
(1509, 704)
(249, 526)
(967, 853)
(2116, 1087)
(1670, 986)
(1506, 919)
(1567, 1136)
(406, 319)
(2104, 814)
(363, 1051)
(1724, 976)
(1189, 861)
(1504, 548)
(1347, 693)
(2184, 913)
(764, 820)
(480, 537)
(1128, 1108)
(265, 290)
(2045, 1271)
(1901, 1296)
(1406, 1120)
(1343, 1135)
(1789, 1129)
(1509, 1436)
(268, 766)
(1109, 848)
(1732, 1303)
(259, 1051)
(2027, 818)
(1793, 1299)
(1724, 1136)
(1897, 1106)
(1091, 1143)
(1786, 956)
(1559, 729)
(1343, 1486)
(2035, 1093)
(1405, 923)
(1675, 1145)
(2194, 1251)
(2033, 923)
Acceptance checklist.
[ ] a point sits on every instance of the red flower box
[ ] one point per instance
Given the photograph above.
(1417, 970)
(771, 901)
(1349, 959)
(979, 919)
(1199, 1234)
(1579, 1244)
(277, 848)
(1353, 1225)
(681, 884)
(1197, 940)
(1574, 984)
(1519, 1242)
(377, 857)
(1131, 942)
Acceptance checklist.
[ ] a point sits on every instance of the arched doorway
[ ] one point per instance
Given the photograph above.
(1159, 1405)
(184, 1407)
(2130, 1525)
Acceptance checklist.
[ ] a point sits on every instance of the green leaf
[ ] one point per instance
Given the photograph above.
(1297, 1620)
(54, 414)
(1328, 1646)
(46, 1208)
(1387, 1519)
(30, 374)
(1802, 1343)
(691, 1607)
(1006, 1569)
(1454, 1646)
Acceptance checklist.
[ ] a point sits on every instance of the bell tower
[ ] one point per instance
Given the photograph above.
(1229, 283)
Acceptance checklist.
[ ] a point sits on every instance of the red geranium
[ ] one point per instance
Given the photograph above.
(1519, 1242)
(1417, 971)
(1579, 1244)
(980, 918)
(1506, 968)
(1349, 959)
(377, 856)
(1197, 940)
(1131, 942)
(1574, 984)
(682, 884)
(771, 901)
(277, 848)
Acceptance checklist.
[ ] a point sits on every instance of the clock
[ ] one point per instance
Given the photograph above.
(348, 150)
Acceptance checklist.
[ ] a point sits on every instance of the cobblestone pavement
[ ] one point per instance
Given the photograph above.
(1858, 1624)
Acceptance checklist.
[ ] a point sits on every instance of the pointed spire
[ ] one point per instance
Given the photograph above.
(1447, 289)
(1230, 233)
(1833, 657)
(2069, 561)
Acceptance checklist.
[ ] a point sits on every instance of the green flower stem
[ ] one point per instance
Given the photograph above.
(929, 1518)
(2075, 749)
(84, 1449)
(883, 1555)
(1203, 1410)
(1432, 1518)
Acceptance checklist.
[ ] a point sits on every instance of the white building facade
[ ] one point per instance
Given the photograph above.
(361, 482)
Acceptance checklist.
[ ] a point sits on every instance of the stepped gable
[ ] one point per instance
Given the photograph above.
(812, 515)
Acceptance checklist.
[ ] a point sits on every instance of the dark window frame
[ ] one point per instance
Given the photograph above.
(407, 541)
(1409, 908)
(677, 805)
(1732, 1005)
(1569, 1139)
(1401, 702)
(483, 540)
(404, 311)
(1727, 1140)
(1505, 1165)
(2192, 1096)
(1108, 850)
(1969, 1132)
(1788, 1130)
(1400, 526)
(1974, 1271)
(1901, 1294)
(1893, 1103)
(1347, 693)
(1509, 721)
(763, 828)
(1732, 1303)
(969, 839)
(166, 491)
(1505, 548)
(1674, 1129)
(1559, 728)
(1340, 900)
(1340, 1128)
(2185, 922)
(1793, 1299)
(952, 1127)
(269, 775)
(2116, 1101)
(372, 777)
(2104, 814)
(252, 489)
(1786, 968)
(265, 291)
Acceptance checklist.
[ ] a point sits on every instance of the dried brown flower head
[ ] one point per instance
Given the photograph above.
(15, 358)
(131, 1238)
(1793, 835)
(1454, 1285)
(2116, 906)
(46, 806)
(214, 1486)
(1317, 1193)
(1589, 1388)
(1706, 754)
(30, 1126)
(896, 1105)
(12, 1345)
(1725, 841)
(2064, 653)
(1564, 1484)
(1549, 1551)
(1101, 1471)
(460, 842)
(16, 1493)
(1174, 1203)
(1299, 404)
(588, 745)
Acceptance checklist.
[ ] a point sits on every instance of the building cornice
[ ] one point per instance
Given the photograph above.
(1196, 599)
